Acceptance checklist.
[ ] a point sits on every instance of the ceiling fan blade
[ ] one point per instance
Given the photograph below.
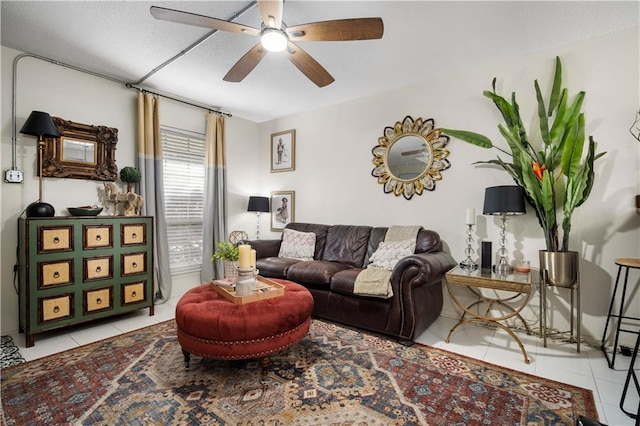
(338, 30)
(271, 12)
(246, 64)
(308, 66)
(187, 18)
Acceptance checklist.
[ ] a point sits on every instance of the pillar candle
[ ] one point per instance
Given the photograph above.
(244, 256)
(253, 258)
(471, 216)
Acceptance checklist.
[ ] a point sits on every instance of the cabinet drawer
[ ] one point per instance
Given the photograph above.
(97, 236)
(53, 239)
(134, 263)
(133, 293)
(134, 234)
(55, 308)
(98, 268)
(99, 299)
(56, 273)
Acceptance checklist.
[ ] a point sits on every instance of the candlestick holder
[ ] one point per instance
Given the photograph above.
(468, 263)
(246, 281)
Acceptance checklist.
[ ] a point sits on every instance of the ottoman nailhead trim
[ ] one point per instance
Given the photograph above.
(255, 355)
(247, 356)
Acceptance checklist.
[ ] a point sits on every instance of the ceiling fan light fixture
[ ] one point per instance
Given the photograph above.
(274, 40)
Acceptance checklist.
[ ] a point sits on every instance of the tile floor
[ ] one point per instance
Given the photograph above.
(558, 361)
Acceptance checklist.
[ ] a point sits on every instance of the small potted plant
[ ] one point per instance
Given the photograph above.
(130, 176)
(228, 253)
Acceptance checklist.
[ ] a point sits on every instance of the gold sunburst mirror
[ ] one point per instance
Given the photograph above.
(410, 157)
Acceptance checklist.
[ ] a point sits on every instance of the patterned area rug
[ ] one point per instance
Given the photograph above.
(10, 353)
(335, 376)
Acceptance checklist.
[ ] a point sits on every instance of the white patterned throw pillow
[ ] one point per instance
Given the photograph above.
(389, 253)
(297, 245)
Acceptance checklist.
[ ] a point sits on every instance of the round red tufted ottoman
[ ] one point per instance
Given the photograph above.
(211, 326)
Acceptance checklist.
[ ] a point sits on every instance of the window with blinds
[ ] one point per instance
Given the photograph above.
(184, 170)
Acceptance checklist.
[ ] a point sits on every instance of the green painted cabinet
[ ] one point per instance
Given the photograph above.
(78, 269)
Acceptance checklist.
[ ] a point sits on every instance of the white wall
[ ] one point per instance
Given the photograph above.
(333, 182)
(83, 98)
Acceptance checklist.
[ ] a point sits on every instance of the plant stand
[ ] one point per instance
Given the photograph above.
(573, 284)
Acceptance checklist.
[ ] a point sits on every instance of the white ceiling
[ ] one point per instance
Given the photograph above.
(422, 40)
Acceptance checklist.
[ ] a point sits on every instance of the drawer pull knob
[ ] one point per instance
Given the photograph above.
(56, 309)
(56, 240)
(133, 294)
(134, 235)
(98, 237)
(98, 301)
(56, 274)
(99, 269)
(134, 264)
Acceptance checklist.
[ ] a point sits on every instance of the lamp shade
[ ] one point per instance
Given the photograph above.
(39, 124)
(504, 200)
(258, 204)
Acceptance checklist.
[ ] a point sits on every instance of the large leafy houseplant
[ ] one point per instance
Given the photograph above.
(555, 174)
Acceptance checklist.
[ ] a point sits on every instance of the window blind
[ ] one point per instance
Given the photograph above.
(184, 173)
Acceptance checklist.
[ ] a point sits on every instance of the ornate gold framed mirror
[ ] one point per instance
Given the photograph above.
(410, 157)
(82, 151)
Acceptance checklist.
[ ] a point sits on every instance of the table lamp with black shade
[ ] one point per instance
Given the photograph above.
(40, 124)
(258, 205)
(507, 200)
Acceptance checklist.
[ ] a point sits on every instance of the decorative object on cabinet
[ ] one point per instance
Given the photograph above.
(74, 270)
(283, 151)
(82, 151)
(258, 205)
(130, 176)
(282, 209)
(132, 202)
(85, 211)
(410, 157)
(39, 124)
(503, 201)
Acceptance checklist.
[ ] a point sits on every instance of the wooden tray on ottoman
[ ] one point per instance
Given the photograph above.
(268, 290)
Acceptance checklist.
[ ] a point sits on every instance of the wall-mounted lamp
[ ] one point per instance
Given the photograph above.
(40, 124)
(258, 205)
(503, 201)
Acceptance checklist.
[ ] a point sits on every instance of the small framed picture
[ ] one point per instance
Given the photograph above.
(282, 209)
(283, 151)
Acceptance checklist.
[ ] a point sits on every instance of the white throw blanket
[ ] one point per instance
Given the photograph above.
(376, 281)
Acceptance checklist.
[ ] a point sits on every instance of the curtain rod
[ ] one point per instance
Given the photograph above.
(14, 96)
(140, 89)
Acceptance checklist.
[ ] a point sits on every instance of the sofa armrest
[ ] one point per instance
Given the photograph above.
(416, 282)
(265, 248)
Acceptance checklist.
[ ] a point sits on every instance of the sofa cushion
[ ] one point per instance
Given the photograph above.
(347, 244)
(390, 252)
(343, 281)
(314, 272)
(297, 245)
(274, 267)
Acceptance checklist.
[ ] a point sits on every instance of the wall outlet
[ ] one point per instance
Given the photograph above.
(13, 176)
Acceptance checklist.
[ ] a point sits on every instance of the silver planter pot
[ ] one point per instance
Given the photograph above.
(560, 268)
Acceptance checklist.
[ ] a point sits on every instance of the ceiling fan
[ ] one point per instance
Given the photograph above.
(275, 36)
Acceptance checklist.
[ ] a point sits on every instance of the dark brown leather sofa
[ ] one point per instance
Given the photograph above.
(341, 252)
